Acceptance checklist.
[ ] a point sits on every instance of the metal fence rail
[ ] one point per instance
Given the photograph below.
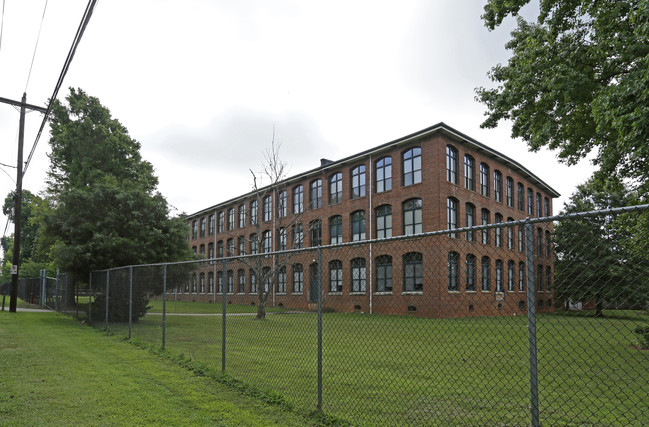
(516, 323)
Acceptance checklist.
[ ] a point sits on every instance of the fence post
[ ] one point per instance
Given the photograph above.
(224, 284)
(164, 304)
(531, 324)
(319, 280)
(130, 301)
(90, 299)
(107, 293)
(58, 291)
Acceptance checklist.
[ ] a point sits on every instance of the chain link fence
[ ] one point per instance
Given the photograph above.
(55, 293)
(543, 321)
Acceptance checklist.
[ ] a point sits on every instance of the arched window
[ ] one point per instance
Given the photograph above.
(358, 226)
(335, 229)
(358, 182)
(486, 267)
(411, 166)
(484, 179)
(412, 216)
(510, 275)
(384, 273)
(384, 174)
(383, 221)
(451, 214)
(336, 188)
(298, 279)
(413, 272)
(499, 275)
(315, 194)
(498, 186)
(469, 172)
(470, 272)
(298, 199)
(451, 164)
(509, 192)
(336, 276)
(359, 275)
(453, 271)
(484, 217)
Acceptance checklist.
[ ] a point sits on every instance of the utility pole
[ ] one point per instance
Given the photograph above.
(13, 294)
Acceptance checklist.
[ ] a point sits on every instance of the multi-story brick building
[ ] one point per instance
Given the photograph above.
(360, 210)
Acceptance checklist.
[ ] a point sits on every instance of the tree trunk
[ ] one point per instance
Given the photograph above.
(261, 310)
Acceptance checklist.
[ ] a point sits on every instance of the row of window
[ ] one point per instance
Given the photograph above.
(411, 211)
(484, 179)
(412, 276)
(248, 214)
(501, 236)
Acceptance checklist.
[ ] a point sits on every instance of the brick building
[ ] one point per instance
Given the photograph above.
(361, 212)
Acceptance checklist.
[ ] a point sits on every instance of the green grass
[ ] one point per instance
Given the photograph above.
(55, 371)
(391, 369)
(204, 308)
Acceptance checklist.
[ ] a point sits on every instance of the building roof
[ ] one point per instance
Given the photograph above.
(439, 128)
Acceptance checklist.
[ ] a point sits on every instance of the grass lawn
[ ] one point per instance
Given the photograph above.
(55, 371)
(403, 370)
(204, 308)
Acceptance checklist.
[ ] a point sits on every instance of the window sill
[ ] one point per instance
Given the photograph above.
(471, 292)
(297, 293)
(335, 293)
(412, 293)
(357, 293)
(280, 293)
(384, 293)
(455, 292)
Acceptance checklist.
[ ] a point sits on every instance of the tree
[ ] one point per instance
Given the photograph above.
(104, 210)
(577, 82)
(267, 268)
(601, 258)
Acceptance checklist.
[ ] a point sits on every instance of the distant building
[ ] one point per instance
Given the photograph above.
(434, 179)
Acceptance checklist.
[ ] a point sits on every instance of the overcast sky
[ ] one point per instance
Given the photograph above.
(201, 84)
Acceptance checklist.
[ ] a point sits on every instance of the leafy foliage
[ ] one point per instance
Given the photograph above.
(577, 82)
(104, 210)
(602, 258)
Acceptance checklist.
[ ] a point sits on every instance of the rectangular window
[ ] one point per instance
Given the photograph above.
(241, 281)
(281, 280)
(411, 166)
(521, 196)
(384, 174)
(499, 276)
(498, 232)
(298, 236)
(211, 225)
(521, 276)
(510, 275)
(202, 230)
(530, 202)
(315, 228)
(282, 239)
(538, 205)
(546, 207)
(358, 182)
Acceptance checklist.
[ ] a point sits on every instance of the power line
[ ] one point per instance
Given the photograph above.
(75, 43)
(2, 22)
(36, 46)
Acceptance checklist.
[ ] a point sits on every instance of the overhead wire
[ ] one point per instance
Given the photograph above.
(38, 37)
(75, 43)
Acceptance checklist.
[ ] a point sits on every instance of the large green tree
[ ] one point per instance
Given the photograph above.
(602, 258)
(577, 82)
(105, 210)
